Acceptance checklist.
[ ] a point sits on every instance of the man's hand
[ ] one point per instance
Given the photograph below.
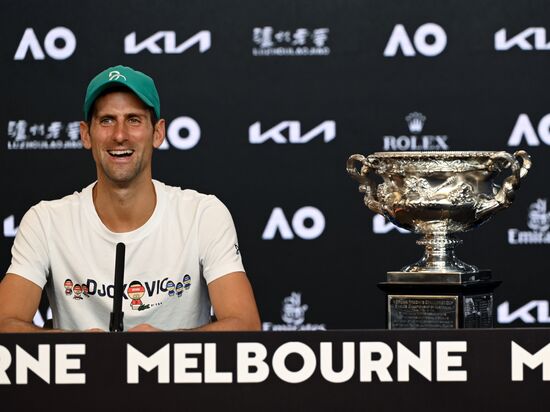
(144, 327)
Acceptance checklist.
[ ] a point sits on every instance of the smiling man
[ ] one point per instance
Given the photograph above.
(172, 236)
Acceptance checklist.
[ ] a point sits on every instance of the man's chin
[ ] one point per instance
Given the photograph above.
(121, 180)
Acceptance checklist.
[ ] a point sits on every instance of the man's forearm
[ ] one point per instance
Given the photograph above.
(12, 325)
(230, 324)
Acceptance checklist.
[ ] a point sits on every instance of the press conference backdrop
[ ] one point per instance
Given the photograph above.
(264, 102)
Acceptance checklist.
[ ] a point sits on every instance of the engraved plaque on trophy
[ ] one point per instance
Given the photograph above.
(438, 194)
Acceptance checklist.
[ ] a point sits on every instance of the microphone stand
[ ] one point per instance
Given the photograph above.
(116, 323)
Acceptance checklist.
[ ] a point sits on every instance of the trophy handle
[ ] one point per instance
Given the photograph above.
(519, 163)
(367, 185)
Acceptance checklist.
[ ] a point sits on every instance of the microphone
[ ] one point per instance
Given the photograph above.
(117, 315)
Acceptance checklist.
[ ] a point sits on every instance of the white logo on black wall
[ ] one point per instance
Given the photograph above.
(538, 221)
(524, 131)
(535, 311)
(183, 133)
(290, 131)
(293, 314)
(416, 140)
(428, 40)
(381, 226)
(299, 42)
(39, 320)
(25, 135)
(10, 230)
(59, 44)
(164, 42)
(307, 223)
(532, 38)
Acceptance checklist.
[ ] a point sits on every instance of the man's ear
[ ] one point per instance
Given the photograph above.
(159, 133)
(85, 135)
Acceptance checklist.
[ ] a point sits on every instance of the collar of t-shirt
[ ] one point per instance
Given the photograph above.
(134, 235)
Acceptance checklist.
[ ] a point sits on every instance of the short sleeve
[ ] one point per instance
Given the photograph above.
(29, 251)
(218, 244)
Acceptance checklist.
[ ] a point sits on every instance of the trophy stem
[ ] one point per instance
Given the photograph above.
(439, 255)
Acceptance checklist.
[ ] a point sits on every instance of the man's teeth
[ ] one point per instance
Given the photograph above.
(120, 152)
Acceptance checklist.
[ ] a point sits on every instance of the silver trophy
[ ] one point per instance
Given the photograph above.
(438, 194)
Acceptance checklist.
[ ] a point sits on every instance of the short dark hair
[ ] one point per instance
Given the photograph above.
(115, 89)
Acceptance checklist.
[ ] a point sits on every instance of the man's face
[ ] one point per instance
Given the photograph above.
(136, 292)
(121, 137)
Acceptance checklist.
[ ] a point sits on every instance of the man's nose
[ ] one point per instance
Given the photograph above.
(119, 132)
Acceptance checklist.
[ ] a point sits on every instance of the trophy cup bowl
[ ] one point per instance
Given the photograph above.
(438, 194)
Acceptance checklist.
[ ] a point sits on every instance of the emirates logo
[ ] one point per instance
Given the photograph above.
(293, 312)
(538, 221)
(539, 218)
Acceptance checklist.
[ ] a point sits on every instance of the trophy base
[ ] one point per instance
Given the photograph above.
(433, 277)
(427, 300)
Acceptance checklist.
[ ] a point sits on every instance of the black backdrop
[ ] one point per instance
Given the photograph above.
(349, 71)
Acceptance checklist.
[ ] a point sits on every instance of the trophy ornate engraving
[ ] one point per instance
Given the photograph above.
(438, 194)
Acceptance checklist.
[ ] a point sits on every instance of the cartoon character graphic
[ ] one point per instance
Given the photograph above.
(77, 289)
(170, 288)
(187, 282)
(136, 292)
(85, 290)
(68, 287)
(179, 289)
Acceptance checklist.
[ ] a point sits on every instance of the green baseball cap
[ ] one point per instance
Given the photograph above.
(141, 84)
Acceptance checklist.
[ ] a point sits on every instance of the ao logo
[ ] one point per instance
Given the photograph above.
(422, 40)
(175, 130)
(278, 223)
(29, 41)
(524, 129)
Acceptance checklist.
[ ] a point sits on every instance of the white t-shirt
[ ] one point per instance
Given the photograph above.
(188, 242)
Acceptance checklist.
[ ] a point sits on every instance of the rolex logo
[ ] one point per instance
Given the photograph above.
(415, 120)
(416, 140)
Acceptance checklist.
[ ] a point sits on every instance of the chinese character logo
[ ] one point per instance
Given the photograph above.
(299, 42)
(25, 135)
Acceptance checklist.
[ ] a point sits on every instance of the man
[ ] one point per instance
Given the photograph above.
(172, 236)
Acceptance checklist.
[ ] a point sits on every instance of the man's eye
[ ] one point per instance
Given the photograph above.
(106, 120)
(134, 120)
